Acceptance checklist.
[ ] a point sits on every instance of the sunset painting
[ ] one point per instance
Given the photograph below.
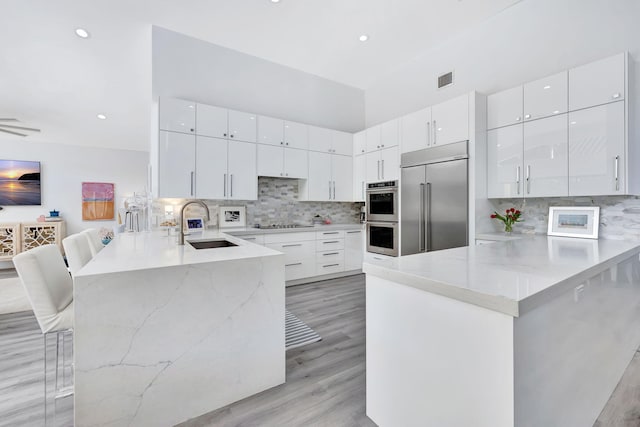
(19, 183)
(97, 201)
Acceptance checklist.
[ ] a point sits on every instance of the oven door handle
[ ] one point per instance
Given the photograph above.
(421, 221)
(428, 222)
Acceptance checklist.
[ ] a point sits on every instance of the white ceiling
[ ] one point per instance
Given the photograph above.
(51, 79)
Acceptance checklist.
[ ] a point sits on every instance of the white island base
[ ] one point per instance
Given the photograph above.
(164, 333)
(548, 352)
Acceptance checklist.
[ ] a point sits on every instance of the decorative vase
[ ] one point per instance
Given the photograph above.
(106, 241)
(508, 228)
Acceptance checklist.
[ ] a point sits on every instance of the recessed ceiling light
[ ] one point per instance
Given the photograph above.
(82, 33)
(363, 38)
(102, 116)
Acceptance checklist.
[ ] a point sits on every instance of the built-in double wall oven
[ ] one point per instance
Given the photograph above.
(382, 218)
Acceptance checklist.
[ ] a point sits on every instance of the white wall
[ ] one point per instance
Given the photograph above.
(64, 168)
(184, 67)
(530, 40)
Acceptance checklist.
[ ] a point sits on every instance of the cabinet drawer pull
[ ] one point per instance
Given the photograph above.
(333, 241)
(292, 245)
(331, 253)
(295, 263)
(330, 232)
(249, 238)
(353, 232)
(330, 265)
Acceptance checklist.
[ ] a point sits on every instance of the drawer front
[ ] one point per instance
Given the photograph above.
(299, 269)
(254, 238)
(326, 235)
(329, 267)
(295, 251)
(289, 237)
(330, 257)
(329, 245)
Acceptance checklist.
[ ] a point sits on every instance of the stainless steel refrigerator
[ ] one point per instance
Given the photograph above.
(434, 199)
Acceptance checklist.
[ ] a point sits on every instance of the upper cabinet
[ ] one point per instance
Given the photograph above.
(415, 130)
(450, 121)
(390, 134)
(270, 131)
(598, 83)
(505, 108)
(176, 165)
(330, 177)
(545, 157)
(177, 115)
(242, 126)
(222, 123)
(546, 97)
(296, 135)
(373, 138)
(342, 143)
(360, 143)
(320, 139)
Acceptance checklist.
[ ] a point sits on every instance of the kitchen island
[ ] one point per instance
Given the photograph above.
(526, 333)
(164, 333)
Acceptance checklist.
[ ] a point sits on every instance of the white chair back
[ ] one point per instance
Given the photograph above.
(77, 250)
(48, 286)
(95, 243)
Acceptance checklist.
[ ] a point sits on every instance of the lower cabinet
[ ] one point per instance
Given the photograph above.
(353, 249)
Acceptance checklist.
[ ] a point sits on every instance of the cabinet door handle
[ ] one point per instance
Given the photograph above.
(231, 185)
(518, 118)
(192, 173)
(292, 245)
(334, 190)
(224, 134)
(518, 179)
(295, 263)
(362, 190)
(528, 179)
(353, 232)
(331, 253)
(231, 135)
(329, 190)
(330, 265)
(617, 171)
(249, 238)
(281, 142)
(428, 133)
(329, 242)
(332, 232)
(224, 189)
(435, 133)
(378, 169)
(382, 169)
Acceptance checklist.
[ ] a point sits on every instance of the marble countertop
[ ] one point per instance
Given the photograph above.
(509, 276)
(243, 231)
(157, 249)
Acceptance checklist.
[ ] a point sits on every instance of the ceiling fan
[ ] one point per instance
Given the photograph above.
(13, 129)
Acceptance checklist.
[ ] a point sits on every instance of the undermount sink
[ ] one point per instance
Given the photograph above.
(210, 244)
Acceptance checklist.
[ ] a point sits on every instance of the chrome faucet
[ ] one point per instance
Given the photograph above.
(198, 202)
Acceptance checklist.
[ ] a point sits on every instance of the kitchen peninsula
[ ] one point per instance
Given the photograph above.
(164, 332)
(525, 333)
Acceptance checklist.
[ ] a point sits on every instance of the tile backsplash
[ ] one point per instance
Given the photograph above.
(619, 215)
(277, 203)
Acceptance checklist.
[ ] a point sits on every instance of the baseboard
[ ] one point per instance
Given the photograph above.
(323, 277)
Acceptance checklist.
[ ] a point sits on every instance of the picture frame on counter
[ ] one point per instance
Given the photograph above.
(232, 216)
(574, 221)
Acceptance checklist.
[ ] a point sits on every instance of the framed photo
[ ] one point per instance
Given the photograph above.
(232, 216)
(98, 201)
(195, 224)
(574, 221)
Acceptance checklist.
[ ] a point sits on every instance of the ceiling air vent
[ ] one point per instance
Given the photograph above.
(445, 80)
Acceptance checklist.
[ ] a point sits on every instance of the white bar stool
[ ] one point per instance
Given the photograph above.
(78, 251)
(93, 238)
(49, 289)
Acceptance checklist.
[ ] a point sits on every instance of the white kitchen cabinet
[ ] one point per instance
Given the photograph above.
(359, 178)
(415, 131)
(505, 108)
(241, 167)
(320, 139)
(382, 165)
(450, 121)
(212, 121)
(270, 131)
(373, 138)
(505, 162)
(320, 182)
(176, 165)
(342, 176)
(296, 163)
(270, 160)
(598, 83)
(546, 97)
(597, 158)
(330, 177)
(353, 249)
(242, 126)
(342, 143)
(390, 134)
(177, 115)
(211, 168)
(360, 143)
(546, 157)
(296, 135)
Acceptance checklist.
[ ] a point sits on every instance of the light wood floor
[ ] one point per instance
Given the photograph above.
(325, 380)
